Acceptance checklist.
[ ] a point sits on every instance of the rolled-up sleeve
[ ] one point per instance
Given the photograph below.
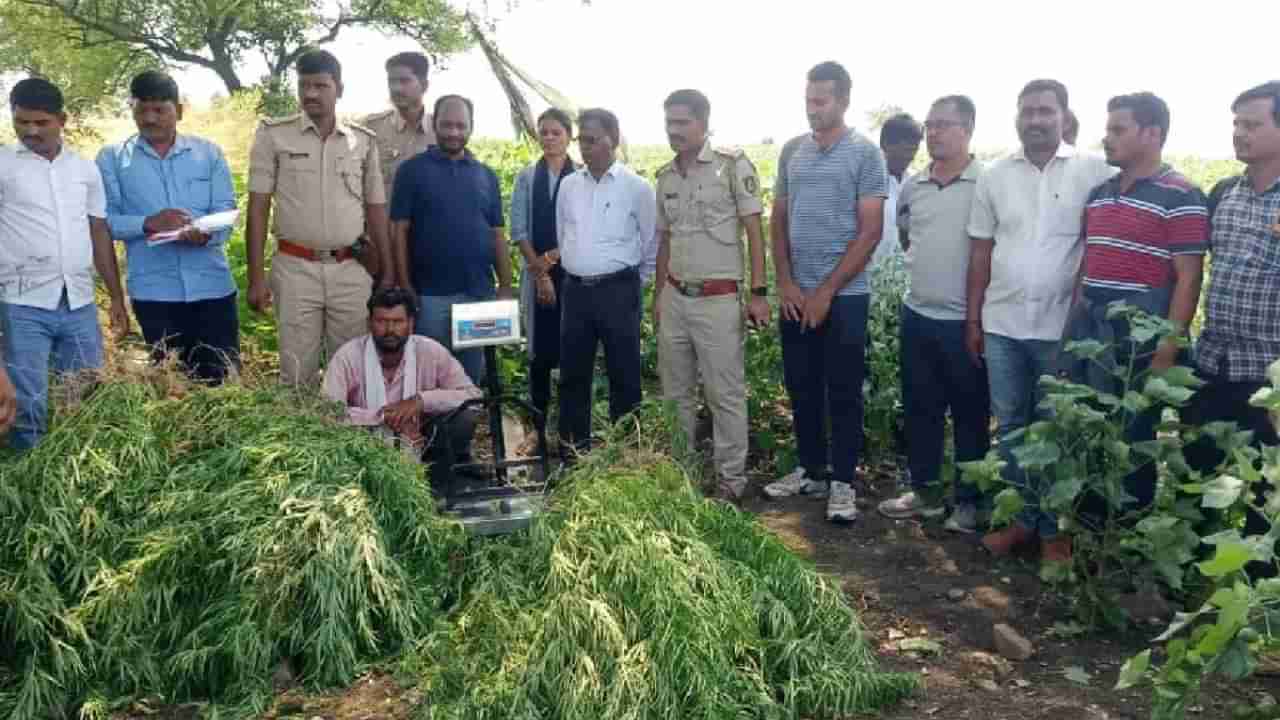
(223, 196)
(982, 215)
(646, 209)
(123, 227)
(520, 203)
(440, 370)
(262, 163)
(375, 192)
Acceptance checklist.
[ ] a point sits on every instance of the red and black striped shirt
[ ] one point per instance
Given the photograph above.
(1132, 237)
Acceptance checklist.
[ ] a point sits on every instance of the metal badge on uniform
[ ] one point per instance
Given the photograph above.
(299, 155)
(672, 196)
(750, 185)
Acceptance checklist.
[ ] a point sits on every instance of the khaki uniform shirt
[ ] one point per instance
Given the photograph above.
(702, 209)
(397, 141)
(320, 185)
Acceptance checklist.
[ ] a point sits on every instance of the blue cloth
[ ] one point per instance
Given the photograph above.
(1014, 368)
(823, 370)
(453, 207)
(937, 376)
(435, 320)
(194, 177)
(31, 337)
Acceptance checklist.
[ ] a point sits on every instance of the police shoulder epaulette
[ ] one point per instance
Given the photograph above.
(378, 116)
(729, 152)
(666, 167)
(273, 122)
(361, 128)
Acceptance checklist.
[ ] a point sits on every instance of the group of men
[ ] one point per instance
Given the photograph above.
(1005, 261)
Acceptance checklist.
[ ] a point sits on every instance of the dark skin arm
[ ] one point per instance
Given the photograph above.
(255, 233)
(757, 307)
(502, 265)
(1188, 273)
(790, 296)
(400, 253)
(978, 279)
(660, 274)
(870, 226)
(375, 217)
(104, 261)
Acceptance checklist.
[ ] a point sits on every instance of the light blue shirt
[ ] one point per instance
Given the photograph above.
(607, 225)
(194, 176)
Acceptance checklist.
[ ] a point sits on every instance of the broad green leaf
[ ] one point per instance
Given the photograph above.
(1037, 455)
(1237, 661)
(1008, 503)
(1132, 671)
(1063, 492)
(1221, 492)
(1135, 402)
(1228, 558)
(1160, 389)
(1180, 376)
(1086, 349)
(1268, 588)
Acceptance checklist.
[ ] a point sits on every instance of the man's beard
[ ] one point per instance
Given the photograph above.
(390, 343)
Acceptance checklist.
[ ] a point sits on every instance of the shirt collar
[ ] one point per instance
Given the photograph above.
(1064, 151)
(613, 170)
(180, 145)
(706, 154)
(339, 127)
(438, 154)
(23, 150)
(402, 124)
(971, 172)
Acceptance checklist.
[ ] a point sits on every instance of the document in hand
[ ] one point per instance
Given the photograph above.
(207, 224)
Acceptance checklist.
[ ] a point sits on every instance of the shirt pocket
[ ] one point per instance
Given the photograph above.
(352, 171)
(77, 201)
(716, 208)
(1263, 250)
(198, 188)
(672, 208)
(615, 226)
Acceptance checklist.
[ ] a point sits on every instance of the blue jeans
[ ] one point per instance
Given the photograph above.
(1014, 368)
(823, 370)
(435, 317)
(31, 338)
(937, 376)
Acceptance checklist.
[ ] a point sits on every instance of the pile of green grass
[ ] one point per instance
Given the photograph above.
(636, 598)
(184, 547)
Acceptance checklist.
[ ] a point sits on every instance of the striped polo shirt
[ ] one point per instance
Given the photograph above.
(1132, 237)
(822, 188)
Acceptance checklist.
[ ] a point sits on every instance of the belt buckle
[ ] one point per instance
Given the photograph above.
(694, 289)
(327, 257)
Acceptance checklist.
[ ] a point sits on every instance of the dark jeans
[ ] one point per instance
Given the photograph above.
(546, 349)
(204, 334)
(458, 434)
(937, 375)
(1221, 399)
(604, 313)
(823, 370)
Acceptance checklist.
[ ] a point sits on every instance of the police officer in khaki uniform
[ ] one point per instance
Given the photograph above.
(704, 197)
(406, 129)
(326, 181)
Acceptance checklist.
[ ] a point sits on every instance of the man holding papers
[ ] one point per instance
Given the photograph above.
(167, 196)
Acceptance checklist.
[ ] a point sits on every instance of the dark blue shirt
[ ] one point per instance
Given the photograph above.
(452, 207)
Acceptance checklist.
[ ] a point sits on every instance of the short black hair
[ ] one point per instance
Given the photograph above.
(558, 115)
(36, 94)
(415, 61)
(697, 103)
(440, 101)
(315, 62)
(835, 72)
(964, 108)
(391, 297)
(607, 121)
(154, 86)
(1045, 85)
(1265, 91)
(900, 128)
(1148, 111)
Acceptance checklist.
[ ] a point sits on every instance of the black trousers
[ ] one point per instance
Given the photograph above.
(546, 347)
(205, 334)
(456, 436)
(602, 313)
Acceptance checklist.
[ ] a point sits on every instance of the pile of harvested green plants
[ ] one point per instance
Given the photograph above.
(181, 548)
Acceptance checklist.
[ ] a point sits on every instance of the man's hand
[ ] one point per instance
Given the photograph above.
(194, 237)
(758, 312)
(1165, 357)
(973, 342)
(657, 308)
(793, 300)
(506, 293)
(816, 309)
(8, 402)
(403, 417)
(166, 221)
(545, 290)
(539, 266)
(259, 295)
(119, 315)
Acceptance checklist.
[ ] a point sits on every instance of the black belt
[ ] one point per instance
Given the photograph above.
(589, 280)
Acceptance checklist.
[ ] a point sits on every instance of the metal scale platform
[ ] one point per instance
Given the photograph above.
(508, 493)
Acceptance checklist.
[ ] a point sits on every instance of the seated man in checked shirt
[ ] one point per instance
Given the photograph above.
(399, 385)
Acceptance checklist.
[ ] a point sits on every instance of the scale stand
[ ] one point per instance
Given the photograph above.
(493, 505)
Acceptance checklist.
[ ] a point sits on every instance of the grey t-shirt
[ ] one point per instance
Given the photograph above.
(822, 188)
(936, 219)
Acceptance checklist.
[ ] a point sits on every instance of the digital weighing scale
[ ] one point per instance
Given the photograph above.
(500, 502)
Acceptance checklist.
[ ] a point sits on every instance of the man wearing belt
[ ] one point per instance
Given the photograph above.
(406, 129)
(605, 221)
(705, 196)
(326, 178)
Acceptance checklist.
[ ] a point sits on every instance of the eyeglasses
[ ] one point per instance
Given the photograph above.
(941, 125)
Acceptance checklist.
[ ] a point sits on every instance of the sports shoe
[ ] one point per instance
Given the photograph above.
(909, 505)
(842, 503)
(963, 519)
(796, 483)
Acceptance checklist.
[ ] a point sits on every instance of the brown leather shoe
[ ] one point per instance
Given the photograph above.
(1056, 550)
(1002, 542)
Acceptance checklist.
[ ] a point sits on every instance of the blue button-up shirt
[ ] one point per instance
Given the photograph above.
(193, 176)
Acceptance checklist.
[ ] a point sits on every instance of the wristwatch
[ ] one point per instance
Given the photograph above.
(760, 291)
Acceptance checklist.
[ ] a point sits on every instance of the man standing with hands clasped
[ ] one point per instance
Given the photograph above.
(326, 180)
(828, 210)
(705, 196)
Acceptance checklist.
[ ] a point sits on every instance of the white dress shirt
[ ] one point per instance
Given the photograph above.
(607, 225)
(45, 245)
(1035, 218)
(890, 243)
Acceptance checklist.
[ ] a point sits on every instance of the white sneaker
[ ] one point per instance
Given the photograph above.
(796, 483)
(964, 519)
(909, 505)
(842, 503)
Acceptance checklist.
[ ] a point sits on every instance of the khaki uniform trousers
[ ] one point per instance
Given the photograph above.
(319, 307)
(704, 336)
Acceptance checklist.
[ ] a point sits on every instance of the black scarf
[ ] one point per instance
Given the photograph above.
(543, 230)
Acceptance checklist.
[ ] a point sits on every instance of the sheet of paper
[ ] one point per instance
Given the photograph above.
(207, 224)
